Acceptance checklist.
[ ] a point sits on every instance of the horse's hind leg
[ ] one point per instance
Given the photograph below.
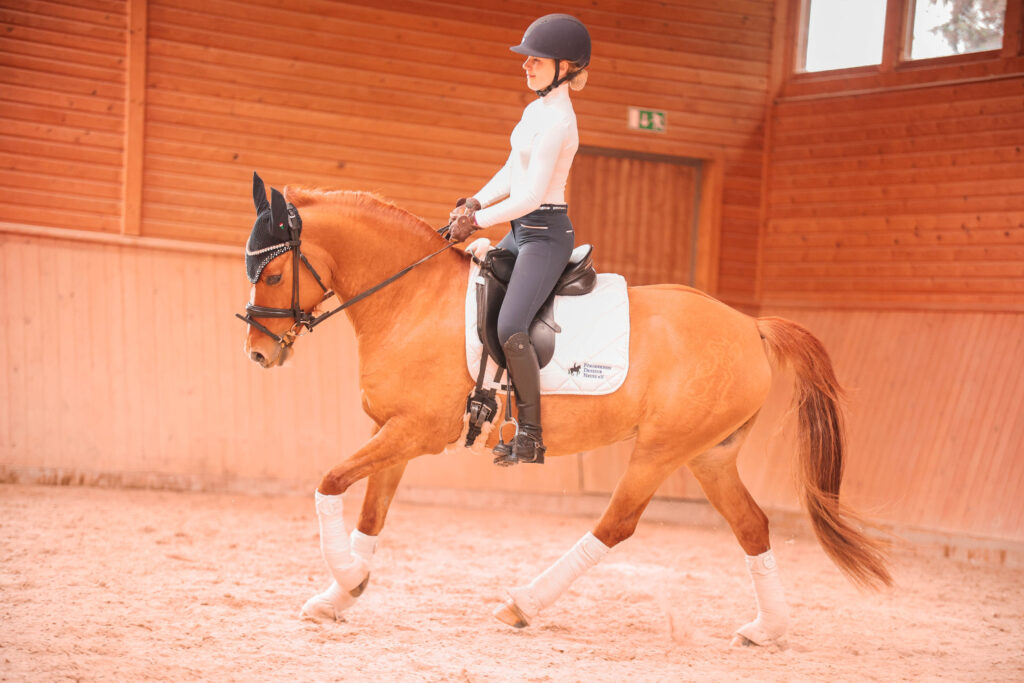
(716, 471)
(380, 490)
(632, 494)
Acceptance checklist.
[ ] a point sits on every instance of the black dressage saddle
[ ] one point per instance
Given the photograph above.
(578, 278)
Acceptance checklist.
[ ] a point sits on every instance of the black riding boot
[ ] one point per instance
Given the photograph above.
(521, 361)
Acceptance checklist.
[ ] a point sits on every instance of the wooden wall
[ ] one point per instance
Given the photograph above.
(640, 213)
(894, 229)
(359, 95)
(897, 185)
(62, 113)
(123, 361)
(933, 403)
(906, 197)
(886, 217)
(147, 117)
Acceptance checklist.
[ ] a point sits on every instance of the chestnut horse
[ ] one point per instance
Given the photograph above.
(699, 372)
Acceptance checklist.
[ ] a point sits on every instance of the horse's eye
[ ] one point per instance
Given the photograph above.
(273, 279)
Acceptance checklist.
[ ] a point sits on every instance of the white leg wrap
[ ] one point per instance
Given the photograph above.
(546, 588)
(362, 545)
(348, 560)
(772, 611)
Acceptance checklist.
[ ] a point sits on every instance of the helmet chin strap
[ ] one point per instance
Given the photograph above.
(556, 81)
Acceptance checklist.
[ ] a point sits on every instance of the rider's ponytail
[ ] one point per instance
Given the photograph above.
(578, 79)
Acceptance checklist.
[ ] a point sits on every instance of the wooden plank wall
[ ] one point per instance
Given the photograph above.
(122, 356)
(902, 197)
(123, 361)
(362, 95)
(894, 229)
(62, 109)
(639, 213)
(365, 95)
(933, 403)
(123, 364)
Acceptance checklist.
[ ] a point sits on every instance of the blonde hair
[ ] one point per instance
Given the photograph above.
(579, 79)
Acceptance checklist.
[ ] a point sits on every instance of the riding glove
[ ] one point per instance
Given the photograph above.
(463, 223)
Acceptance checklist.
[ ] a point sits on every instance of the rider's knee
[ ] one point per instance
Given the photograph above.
(508, 328)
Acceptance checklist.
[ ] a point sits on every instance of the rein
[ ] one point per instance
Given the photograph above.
(301, 317)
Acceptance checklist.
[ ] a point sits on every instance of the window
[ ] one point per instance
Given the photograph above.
(841, 34)
(844, 33)
(956, 27)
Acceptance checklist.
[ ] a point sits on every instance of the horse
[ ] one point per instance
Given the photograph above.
(699, 373)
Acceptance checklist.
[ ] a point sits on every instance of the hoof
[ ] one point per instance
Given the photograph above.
(509, 613)
(742, 641)
(319, 609)
(758, 632)
(329, 605)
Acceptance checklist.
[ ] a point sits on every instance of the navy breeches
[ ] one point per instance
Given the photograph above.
(543, 241)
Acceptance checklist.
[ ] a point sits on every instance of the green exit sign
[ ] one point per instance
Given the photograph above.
(647, 119)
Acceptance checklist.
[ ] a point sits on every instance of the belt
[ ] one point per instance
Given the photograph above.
(551, 208)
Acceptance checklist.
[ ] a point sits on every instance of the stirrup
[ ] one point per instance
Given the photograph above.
(503, 456)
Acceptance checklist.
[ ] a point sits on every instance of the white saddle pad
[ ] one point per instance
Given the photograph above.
(592, 350)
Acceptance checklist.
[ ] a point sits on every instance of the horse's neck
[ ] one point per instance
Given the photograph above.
(369, 244)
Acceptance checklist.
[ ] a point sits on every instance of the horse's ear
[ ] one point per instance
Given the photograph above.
(278, 209)
(259, 193)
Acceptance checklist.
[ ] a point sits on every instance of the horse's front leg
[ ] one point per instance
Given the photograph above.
(380, 491)
(348, 558)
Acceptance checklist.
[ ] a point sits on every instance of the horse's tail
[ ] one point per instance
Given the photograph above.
(821, 446)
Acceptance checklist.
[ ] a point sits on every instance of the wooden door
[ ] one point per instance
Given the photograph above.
(639, 211)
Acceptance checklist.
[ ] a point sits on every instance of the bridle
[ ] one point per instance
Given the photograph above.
(302, 318)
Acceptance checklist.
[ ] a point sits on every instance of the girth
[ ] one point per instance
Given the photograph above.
(579, 277)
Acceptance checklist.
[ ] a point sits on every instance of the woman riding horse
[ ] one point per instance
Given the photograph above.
(694, 411)
(532, 183)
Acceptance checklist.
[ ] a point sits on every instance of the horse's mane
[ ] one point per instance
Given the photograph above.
(353, 200)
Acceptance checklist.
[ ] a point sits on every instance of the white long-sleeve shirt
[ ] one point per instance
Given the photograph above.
(544, 143)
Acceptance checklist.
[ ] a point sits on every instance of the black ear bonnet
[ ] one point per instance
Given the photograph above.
(277, 226)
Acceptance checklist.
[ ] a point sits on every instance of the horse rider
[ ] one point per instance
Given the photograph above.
(529, 191)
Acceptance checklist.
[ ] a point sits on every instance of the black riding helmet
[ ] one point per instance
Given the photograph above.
(558, 37)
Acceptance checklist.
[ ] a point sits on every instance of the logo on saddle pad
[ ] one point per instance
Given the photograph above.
(590, 370)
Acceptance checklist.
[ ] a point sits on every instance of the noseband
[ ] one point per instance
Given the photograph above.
(301, 318)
